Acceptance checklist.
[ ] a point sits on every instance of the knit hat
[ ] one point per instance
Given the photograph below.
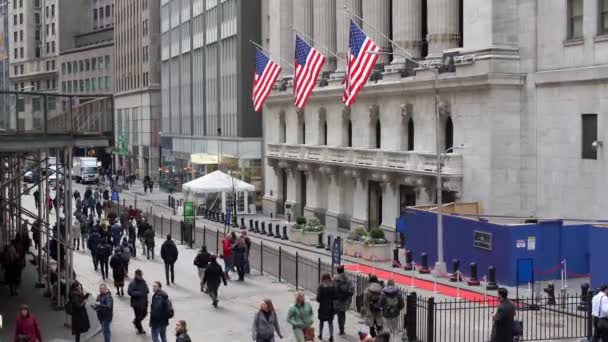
(362, 336)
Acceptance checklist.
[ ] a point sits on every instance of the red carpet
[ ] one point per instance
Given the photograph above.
(406, 280)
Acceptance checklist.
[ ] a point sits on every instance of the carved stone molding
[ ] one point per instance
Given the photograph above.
(282, 116)
(374, 113)
(444, 109)
(327, 170)
(300, 114)
(346, 113)
(407, 110)
(283, 164)
(322, 114)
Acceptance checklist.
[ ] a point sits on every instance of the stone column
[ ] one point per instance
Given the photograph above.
(302, 17)
(343, 27)
(390, 208)
(443, 22)
(376, 14)
(310, 206)
(324, 27)
(294, 190)
(407, 28)
(280, 24)
(360, 196)
(334, 205)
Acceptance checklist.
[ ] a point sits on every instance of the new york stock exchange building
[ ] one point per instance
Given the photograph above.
(522, 105)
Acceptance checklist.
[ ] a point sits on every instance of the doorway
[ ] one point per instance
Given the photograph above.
(303, 190)
(374, 205)
(407, 197)
(283, 185)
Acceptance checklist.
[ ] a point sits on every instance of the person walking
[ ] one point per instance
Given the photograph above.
(326, 294)
(248, 243)
(392, 304)
(84, 231)
(227, 254)
(372, 306)
(239, 254)
(181, 332)
(104, 251)
(138, 291)
(344, 293)
(93, 243)
(27, 328)
(36, 233)
(125, 254)
(201, 262)
(161, 310)
(76, 234)
(37, 198)
(300, 317)
(502, 327)
(13, 264)
(76, 307)
(599, 311)
(98, 207)
(141, 230)
(214, 276)
(169, 253)
(116, 231)
(149, 238)
(118, 271)
(132, 237)
(104, 307)
(265, 323)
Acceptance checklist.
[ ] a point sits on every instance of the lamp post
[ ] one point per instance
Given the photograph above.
(440, 264)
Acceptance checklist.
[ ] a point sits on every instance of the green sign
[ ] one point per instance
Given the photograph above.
(122, 145)
(188, 210)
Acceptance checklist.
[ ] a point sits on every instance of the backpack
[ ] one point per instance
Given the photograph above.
(375, 302)
(392, 307)
(345, 290)
(169, 309)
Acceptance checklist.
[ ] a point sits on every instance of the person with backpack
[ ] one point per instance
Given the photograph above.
(104, 251)
(344, 294)
(265, 323)
(214, 276)
(326, 294)
(116, 232)
(125, 254)
(201, 262)
(372, 306)
(104, 307)
(118, 271)
(138, 291)
(300, 317)
(392, 304)
(161, 310)
(76, 308)
(149, 240)
(92, 243)
(169, 253)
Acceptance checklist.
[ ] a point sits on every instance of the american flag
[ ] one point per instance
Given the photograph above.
(360, 63)
(266, 73)
(308, 63)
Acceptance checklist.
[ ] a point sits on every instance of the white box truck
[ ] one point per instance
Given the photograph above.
(85, 170)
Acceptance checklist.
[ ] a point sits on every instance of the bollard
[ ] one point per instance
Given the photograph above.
(217, 242)
(585, 293)
(169, 200)
(280, 259)
(411, 305)
(257, 228)
(251, 225)
(396, 262)
(204, 236)
(492, 279)
(277, 233)
(320, 241)
(455, 276)
(161, 226)
(270, 232)
(550, 291)
(271, 215)
(473, 281)
(222, 217)
(424, 269)
(297, 274)
(328, 247)
(263, 231)
(261, 257)
(285, 237)
(288, 217)
(408, 261)
(243, 223)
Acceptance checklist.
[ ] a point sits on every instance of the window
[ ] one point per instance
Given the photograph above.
(108, 82)
(37, 85)
(53, 28)
(63, 68)
(21, 18)
(100, 61)
(52, 10)
(20, 3)
(21, 35)
(53, 46)
(94, 13)
(81, 66)
(38, 53)
(100, 82)
(16, 70)
(145, 28)
(349, 140)
(93, 63)
(52, 65)
(378, 133)
(48, 65)
(100, 12)
(75, 83)
(410, 134)
(81, 85)
(48, 31)
(324, 141)
(37, 35)
(16, 53)
(54, 83)
(87, 65)
(145, 54)
(46, 11)
(48, 84)
(107, 61)
(589, 136)
(75, 66)
(14, 4)
(69, 65)
(603, 17)
(37, 18)
(93, 84)
(88, 84)
(63, 87)
(21, 52)
(48, 47)
(15, 36)
(21, 69)
(449, 135)
(69, 87)
(15, 19)
(575, 19)
(107, 11)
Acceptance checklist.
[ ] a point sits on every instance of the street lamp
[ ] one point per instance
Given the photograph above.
(440, 264)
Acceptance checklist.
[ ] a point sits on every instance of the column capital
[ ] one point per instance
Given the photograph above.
(374, 113)
(407, 110)
(346, 113)
(322, 114)
(300, 114)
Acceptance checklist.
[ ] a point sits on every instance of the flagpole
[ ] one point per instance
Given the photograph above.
(316, 43)
(407, 53)
(271, 54)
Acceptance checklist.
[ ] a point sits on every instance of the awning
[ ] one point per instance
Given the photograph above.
(203, 158)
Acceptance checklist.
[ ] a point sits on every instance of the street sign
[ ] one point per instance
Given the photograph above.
(228, 215)
(115, 196)
(335, 252)
(188, 210)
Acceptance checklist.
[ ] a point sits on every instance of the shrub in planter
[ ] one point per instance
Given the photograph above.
(301, 221)
(376, 247)
(295, 233)
(354, 242)
(310, 232)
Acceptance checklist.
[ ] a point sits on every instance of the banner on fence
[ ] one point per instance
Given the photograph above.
(335, 252)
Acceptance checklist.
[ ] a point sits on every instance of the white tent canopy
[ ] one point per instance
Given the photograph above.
(216, 181)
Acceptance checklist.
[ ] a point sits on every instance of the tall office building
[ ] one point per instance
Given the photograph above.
(207, 70)
(137, 86)
(4, 67)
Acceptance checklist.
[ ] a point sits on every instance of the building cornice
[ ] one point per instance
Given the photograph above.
(572, 75)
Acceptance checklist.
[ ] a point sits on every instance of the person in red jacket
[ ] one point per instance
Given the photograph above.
(227, 254)
(26, 327)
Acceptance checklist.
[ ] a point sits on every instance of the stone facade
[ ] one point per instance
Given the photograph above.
(511, 110)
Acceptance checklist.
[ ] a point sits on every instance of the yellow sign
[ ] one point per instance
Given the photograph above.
(203, 158)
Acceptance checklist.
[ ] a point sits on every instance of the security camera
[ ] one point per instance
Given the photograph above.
(597, 144)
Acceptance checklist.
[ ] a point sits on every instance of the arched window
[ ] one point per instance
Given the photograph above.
(449, 134)
(302, 133)
(350, 134)
(324, 132)
(410, 134)
(378, 133)
(283, 133)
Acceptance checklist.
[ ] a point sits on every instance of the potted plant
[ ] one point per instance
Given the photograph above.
(295, 231)
(376, 247)
(311, 231)
(354, 242)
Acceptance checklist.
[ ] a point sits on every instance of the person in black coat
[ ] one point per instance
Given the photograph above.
(239, 256)
(118, 271)
(214, 276)
(138, 291)
(104, 251)
(161, 310)
(326, 294)
(149, 240)
(502, 329)
(93, 243)
(169, 253)
(132, 236)
(201, 262)
(77, 300)
(104, 306)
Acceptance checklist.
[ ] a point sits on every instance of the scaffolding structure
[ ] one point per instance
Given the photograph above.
(44, 130)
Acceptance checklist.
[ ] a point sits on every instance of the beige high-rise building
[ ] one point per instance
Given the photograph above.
(137, 86)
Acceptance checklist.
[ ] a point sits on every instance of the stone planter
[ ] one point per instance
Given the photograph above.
(295, 235)
(353, 248)
(377, 253)
(310, 238)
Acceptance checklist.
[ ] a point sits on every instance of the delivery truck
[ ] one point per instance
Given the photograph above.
(85, 170)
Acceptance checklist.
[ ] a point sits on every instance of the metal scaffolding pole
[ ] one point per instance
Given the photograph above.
(47, 221)
(58, 233)
(40, 206)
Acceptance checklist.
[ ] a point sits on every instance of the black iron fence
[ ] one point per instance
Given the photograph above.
(423, 319)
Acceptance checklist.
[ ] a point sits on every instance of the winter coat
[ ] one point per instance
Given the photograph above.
(132, 233)
(149, 236)
(76, 229)
(300, 316)
(125, 251)
(80, 318)
(202, 259)
(117, 233)
(502, 329)
(94, 240)
(105, 308)
(214, 275)
(373, 292)
(118, 270)
(227, 248)
(138, 291)
(392, 302)
(344, 292)
(325, 297)
(183, 337)
(124, 218)
(160, 308)
(104, 250)
(265, 327)
(239, 254)
(168, 252)
(27, 325)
